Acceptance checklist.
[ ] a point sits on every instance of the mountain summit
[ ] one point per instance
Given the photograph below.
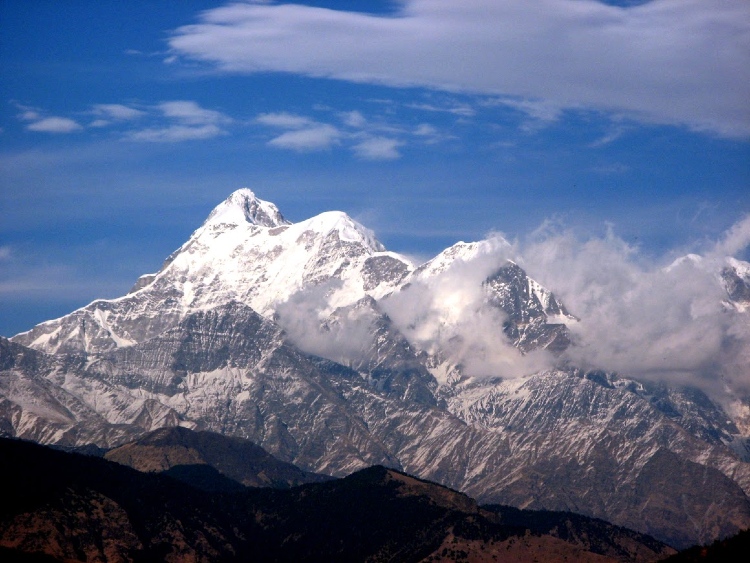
(241, 206)
(245, 251)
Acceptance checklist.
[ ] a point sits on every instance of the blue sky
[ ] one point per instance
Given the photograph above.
(122, 124)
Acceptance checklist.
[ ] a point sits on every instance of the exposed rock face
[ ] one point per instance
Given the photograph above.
(287, 335)
(736, 278)
(529, 308)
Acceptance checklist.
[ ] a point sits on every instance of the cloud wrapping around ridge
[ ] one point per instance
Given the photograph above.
(660, 321)
(446, 313)
(645, 319)
(684, 62)
(346, 336)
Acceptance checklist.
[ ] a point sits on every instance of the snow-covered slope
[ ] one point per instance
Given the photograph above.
(247, 252)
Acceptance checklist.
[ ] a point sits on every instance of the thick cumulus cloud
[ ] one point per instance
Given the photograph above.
(661, 320)
(681, 62)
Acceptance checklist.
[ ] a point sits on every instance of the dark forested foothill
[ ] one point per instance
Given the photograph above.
(66, 506)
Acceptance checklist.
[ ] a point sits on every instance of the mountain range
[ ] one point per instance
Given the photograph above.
(313, 341)
(91, 509)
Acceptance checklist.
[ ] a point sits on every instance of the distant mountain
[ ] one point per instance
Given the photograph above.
(73, 507)
(329, 352)
(188, 454)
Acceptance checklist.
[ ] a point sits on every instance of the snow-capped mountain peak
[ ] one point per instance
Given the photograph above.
(242, 206)
(347, 229)
(244, 252)
(494, 250)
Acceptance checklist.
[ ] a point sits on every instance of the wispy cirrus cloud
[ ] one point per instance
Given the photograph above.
(109, 113)
(185, 121)
(679, 62)
(539, 113)
(176, 133)
(118, 111)
(284, 120)
(461, 110)
(304, 134)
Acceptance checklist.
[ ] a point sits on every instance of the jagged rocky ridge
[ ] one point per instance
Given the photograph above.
(294, 336)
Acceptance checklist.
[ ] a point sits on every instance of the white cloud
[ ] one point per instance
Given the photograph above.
(45, 124)
(684, 62)
(5, 252)
(461, 110)
(316, 138)
(176, 133)
(430, 134)
(30, 115)
(425, 130)
(117, 112)
(303, 135)
(54, 125)
(187, 121)
(113, 113)
(609, 137)
(190, 113)
(448, 313)
(642, 318)
(652, 320)
(307, 135)
(284, 120)
(735, 239)
(378, 148)
(540, 113)
(354, 119)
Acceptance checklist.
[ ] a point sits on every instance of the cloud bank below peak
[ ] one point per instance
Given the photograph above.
(680, 62)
